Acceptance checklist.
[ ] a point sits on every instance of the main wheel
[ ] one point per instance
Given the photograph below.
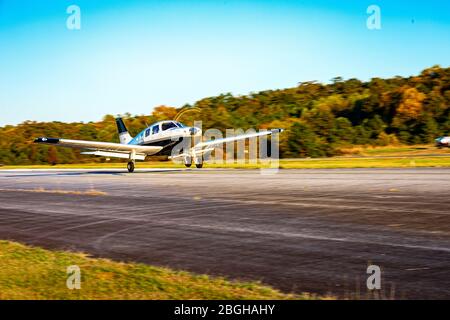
(130, 167)
(199, 165)
(188, 165)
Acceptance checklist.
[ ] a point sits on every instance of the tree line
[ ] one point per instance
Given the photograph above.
(320, 119)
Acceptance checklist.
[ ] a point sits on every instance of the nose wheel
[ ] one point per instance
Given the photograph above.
(130, 166)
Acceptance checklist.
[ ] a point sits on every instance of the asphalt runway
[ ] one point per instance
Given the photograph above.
(298, 230)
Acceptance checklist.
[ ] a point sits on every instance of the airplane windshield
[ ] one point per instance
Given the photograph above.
(168, 125)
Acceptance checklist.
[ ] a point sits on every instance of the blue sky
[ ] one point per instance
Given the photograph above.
(130, 56)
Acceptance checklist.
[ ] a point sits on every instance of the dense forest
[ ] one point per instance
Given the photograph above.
(320, 119)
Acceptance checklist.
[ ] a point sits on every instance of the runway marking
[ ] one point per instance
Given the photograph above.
(313, 237)
(322, 205)
(134, 219)
(418, 269)
(88, 192)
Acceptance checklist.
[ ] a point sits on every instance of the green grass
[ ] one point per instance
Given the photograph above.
(397, 150)
(388, 151)
(397, 162)
(34, 273)
(319, 163)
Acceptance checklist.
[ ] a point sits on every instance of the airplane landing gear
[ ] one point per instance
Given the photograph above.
(130, 167)
(188, 162)
(199, 162)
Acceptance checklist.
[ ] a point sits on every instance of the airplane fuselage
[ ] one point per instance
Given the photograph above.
(164, 134)
(443, 142)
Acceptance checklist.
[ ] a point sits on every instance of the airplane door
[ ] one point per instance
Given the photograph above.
(153, 133)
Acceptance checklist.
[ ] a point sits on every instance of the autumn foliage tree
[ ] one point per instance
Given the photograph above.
(411, 106)
(320, 119)
(164, 113)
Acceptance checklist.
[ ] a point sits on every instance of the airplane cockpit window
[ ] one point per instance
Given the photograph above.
(155, 129)
(168, 125)
(179, 124)
(147, 132)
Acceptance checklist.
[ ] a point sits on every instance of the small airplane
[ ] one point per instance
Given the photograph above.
(158, 139)
(443, 142)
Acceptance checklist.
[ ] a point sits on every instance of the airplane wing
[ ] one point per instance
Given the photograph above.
(203, 148)
(108, 149)
(218, 142)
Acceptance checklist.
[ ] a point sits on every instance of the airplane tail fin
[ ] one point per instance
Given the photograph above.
(124, 136)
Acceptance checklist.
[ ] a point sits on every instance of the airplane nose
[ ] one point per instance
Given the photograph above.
(193, 131)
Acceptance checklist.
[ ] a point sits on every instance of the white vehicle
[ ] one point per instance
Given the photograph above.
(158, 139)
(443, 142)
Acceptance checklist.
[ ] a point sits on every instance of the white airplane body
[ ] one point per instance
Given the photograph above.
(443, 142)
(158, 139)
